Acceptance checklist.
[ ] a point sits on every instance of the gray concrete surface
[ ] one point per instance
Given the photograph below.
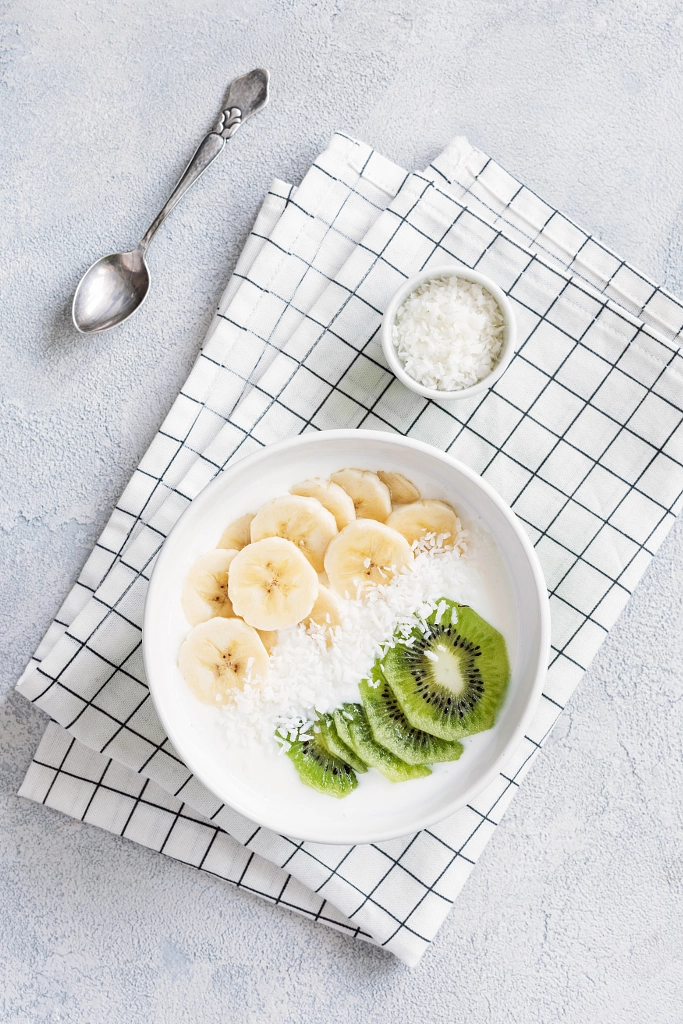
(574, 912)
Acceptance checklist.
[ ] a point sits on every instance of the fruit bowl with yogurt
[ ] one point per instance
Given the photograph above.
(340, 613)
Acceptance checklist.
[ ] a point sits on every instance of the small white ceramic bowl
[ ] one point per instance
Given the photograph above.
(509, 338)
(275, 798)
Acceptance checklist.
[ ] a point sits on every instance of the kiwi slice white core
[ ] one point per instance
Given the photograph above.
(446, 669)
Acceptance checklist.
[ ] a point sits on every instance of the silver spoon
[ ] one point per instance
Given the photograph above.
(113, 288)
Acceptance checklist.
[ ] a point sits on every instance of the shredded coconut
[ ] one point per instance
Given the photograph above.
(308, 675)
(449, 333)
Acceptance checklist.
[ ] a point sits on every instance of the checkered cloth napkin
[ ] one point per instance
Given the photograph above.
(582, 435)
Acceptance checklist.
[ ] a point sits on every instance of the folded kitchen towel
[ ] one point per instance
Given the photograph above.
(582, 436)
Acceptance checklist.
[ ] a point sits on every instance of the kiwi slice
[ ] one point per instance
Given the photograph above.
(450, 680)
(320, 769)
(391, 728)
(354, 729)
(330, 738)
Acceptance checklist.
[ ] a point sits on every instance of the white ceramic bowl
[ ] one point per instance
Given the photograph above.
(509, 338)
(376, 810)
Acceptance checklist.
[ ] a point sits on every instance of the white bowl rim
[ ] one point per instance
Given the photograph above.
(157, 692)
(399, 296)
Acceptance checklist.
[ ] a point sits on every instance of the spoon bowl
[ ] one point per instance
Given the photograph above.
(110, 290)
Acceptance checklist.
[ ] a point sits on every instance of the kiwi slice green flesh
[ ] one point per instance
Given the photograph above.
(354, 729)
(331, 739)
(451, 680)
(321, 770)
(391, 728)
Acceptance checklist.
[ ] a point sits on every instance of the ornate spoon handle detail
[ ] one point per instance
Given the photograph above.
(228, 122)
(246, 96)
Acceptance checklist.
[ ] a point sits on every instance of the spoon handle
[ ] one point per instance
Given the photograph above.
(206, 153)
(246, 96)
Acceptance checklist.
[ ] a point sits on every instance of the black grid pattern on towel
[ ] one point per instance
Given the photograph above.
(582, 435)
(481, 184)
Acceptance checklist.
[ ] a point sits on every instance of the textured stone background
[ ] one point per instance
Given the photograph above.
(574, 912)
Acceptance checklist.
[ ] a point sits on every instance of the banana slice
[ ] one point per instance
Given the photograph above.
(370, 496)
(331, 496)
(326, 611)
(220, 656)
(428, 516)
(304, 521)
(272, 584)
(401, 489)
(205, 590)
(363, 554)
(268, 638)
(237, 535)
